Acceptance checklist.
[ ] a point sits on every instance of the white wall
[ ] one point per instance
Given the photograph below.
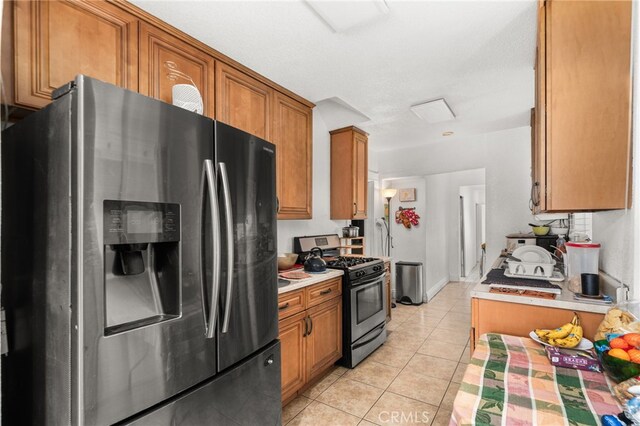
(614, 230)
(619, 231)
(506, 158)
(408, 244)
(437, 238)
(320, 224)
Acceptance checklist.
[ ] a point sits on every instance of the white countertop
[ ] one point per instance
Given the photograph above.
(562, 301)
(314, 279)
(384, 258)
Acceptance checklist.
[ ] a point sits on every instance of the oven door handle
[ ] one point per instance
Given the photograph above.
(366, 342)
(369, 281)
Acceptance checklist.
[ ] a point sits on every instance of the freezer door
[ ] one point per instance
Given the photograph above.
(249, 290)
(136, 149)
(248, 394)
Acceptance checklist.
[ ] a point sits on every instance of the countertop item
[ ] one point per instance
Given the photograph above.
(530, 373)
(314, 261)
(286, 261)
(315, 278)
(564, 300)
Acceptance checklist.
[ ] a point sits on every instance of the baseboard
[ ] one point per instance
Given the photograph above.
(436, 288)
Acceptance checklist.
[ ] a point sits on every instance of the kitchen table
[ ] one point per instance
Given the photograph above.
(509, 380)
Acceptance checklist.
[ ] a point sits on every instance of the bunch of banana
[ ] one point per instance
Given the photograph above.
(566, 336)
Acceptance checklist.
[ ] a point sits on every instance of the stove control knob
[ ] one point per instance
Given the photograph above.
(360, 274)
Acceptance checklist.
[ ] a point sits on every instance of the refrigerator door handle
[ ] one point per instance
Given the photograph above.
(208, 187)
(230, 244)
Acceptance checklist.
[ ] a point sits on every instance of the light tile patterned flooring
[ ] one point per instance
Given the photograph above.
(412, 379)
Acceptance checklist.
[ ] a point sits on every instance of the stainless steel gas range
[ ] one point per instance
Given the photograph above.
(364, 297)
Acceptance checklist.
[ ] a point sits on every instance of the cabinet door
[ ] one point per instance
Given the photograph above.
(324, 338)
(56, 40)
(292, 136)
(538, 151)
(166, 61)
(292, 347)
(360, 170)
(588, 81)
(242, 101)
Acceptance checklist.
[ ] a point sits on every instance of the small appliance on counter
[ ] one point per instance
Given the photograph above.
(518, 240)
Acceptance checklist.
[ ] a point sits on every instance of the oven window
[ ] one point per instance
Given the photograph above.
(368, 302)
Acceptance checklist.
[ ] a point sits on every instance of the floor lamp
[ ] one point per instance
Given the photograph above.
(389, 193)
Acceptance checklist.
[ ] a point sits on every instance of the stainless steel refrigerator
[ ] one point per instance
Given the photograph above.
(138, 265)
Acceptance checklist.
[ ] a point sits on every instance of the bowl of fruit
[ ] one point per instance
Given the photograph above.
(620, 356)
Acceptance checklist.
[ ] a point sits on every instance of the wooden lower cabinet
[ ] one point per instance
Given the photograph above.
(310, 341)
(293, 354)
(324, 338)
(493, 316)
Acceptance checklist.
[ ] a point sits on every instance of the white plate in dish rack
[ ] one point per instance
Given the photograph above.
(556, 276)
(533, 254)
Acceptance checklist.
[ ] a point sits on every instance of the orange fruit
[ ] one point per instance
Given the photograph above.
(619, 353)
(618, 343)
(634, 355)
(633, 339)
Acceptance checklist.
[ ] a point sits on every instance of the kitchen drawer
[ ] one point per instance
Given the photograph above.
(321, 292)
(290, 303)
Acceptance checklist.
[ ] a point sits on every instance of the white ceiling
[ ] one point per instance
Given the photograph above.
(478, 55)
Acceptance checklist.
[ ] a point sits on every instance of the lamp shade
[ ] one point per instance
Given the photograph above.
(389, 192)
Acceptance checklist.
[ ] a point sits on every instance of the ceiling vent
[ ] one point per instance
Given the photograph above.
(434, 111)
(342, 16)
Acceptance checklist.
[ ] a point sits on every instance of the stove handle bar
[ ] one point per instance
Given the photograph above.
(366, 342)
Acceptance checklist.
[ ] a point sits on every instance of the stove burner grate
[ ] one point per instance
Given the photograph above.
(349, 261)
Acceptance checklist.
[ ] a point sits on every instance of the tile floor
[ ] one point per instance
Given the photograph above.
(412, 378)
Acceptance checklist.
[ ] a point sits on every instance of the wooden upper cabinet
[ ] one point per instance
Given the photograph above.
(349, 173)
(56, 40)
(583, 117)
(538, 201)
(291, 133)
(166, 60)
(242, 101)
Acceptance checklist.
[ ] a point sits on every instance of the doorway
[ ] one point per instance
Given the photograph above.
(472, 229)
